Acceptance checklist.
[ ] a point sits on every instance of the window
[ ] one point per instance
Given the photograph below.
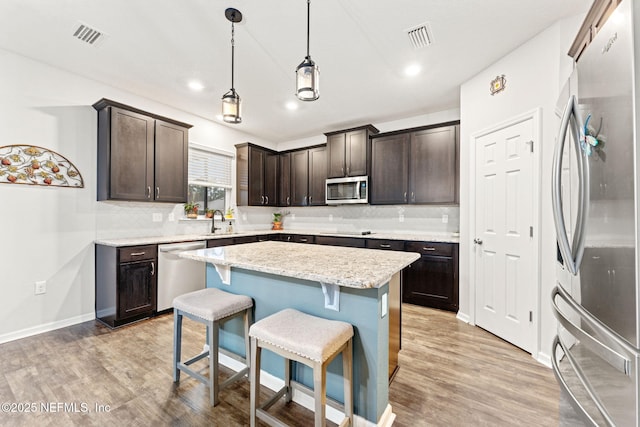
(209, 178)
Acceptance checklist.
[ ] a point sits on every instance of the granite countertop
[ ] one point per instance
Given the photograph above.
(333, 265)
(152, 240)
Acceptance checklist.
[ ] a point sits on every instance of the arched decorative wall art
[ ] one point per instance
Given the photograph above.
(33, 165)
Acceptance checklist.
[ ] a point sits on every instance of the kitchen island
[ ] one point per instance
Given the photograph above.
(359, 286)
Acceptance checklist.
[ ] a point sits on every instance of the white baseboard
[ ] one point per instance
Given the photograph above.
(544, 358)
(463, 316)
(274, 383)
(46, 327)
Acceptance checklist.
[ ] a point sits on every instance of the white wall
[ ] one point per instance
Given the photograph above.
(48, 233)
(534, 74)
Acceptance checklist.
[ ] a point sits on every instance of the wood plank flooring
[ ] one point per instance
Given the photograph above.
(451, 374)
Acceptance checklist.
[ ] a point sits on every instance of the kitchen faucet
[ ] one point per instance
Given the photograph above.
(213, 220)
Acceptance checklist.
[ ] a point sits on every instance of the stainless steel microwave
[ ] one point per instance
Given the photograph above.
(353, 189)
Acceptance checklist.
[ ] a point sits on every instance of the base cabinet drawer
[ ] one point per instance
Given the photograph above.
(432, 280)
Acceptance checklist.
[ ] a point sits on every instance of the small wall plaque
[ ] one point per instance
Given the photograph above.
(30, 164)
(498, 84)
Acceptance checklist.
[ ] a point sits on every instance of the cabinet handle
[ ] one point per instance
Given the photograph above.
(304, 200)
(310, 198)
(262, 200)
(267, 200)
(385, 246)
(138, 253)
(405, 196)
(157, 192)
(303, 240)
(288, 200)
(348, 170)
(153, 268)
(413, 197)
(342, 170)
(148, 192)
(428, 249)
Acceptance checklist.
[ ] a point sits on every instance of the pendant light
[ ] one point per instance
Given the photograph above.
(307, 73)
(231, 99)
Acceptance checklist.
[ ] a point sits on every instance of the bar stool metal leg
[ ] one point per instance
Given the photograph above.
(177, 343)
(254, 381)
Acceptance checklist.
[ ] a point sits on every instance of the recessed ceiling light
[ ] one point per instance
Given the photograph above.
(195, 86)
(291, 105)
(412, 70)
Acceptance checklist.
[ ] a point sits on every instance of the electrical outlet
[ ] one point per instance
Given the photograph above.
(445, 218)
(157, 217)
(400, 218)
(385, 305)
(41, 287)
(171, 217)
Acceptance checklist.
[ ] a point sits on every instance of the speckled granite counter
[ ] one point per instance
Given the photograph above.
(349, 267)
(151, 240)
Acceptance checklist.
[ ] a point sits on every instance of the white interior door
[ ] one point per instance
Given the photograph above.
(504, 247)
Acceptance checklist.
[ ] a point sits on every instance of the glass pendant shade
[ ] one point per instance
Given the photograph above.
(307, 80)
(231, 107)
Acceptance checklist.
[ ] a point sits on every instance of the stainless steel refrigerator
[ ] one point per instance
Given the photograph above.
(596, 354)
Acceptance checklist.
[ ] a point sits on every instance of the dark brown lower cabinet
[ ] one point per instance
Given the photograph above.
(126, 283)
(353, 242)
(432, 280)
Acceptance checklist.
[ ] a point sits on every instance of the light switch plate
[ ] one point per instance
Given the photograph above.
(445, 218)
(157, 217)
(400, 218)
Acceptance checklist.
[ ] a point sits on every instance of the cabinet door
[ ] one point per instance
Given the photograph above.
(256, 176)
(433, 168)
(299, 178)
(389, 170)
(432, 280)
(131, 156)
(284, 183)
(136, 289)
(271, 179)
(336, 156)
(356, 143)
(317, 176)
(171, 160)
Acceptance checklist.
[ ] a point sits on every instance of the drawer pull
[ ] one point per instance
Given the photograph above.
(303, 240)
(153, 268)
(138, 253)
(385, 246)
(427, 248)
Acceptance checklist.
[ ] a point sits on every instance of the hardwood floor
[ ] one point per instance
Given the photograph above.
(451, 374)
(454, 374)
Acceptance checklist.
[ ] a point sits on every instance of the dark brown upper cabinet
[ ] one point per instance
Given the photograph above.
(300, 178)
(416, 166)
(389, 181)
(348, 152)
(141, 156)
(317, 176)
(284, 183)
(433, 166)
(256, 176)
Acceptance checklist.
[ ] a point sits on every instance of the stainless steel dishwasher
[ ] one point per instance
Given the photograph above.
(177, 276)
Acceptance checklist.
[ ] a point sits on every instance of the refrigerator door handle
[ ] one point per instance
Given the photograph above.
(604, 351)
(571, 253)
(587, 385)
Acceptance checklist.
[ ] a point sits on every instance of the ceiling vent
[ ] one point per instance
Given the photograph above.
(89, 35)
(420, 36)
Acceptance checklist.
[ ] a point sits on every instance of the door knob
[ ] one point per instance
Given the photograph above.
(477, 241)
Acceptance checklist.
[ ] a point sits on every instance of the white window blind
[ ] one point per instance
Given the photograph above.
(209, 168)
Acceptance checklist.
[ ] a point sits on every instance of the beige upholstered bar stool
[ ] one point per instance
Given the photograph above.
(306, 339)
(212, 307)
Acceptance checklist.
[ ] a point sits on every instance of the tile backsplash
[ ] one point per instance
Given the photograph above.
(131, 219)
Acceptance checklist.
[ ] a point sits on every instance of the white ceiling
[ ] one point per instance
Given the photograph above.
(154, 47)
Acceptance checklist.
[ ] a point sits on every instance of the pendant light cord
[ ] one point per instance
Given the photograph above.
(232, 52)
(308, 24)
